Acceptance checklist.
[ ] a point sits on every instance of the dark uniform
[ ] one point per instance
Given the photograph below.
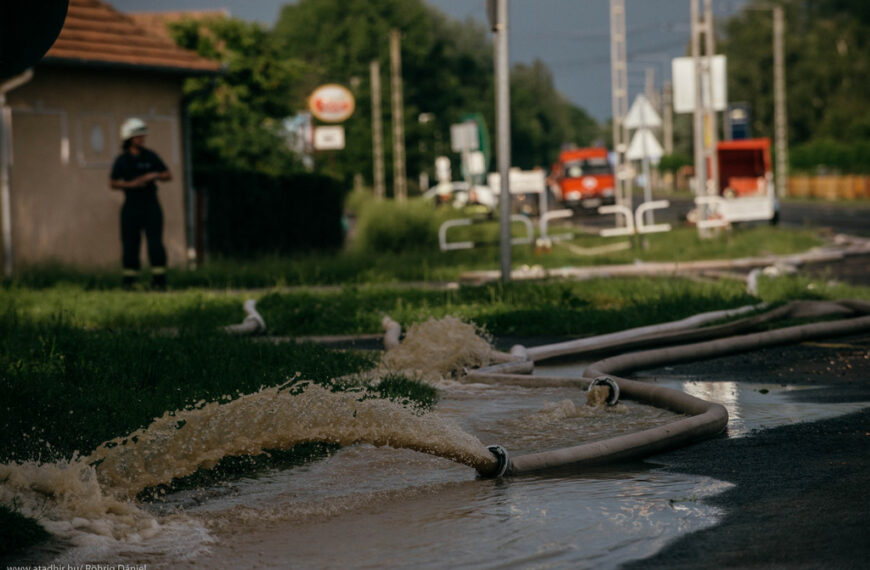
(141, 211)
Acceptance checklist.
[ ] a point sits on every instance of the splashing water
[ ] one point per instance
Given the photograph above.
(67, 499)
(440, 348)
(87, 501)
(179, 443)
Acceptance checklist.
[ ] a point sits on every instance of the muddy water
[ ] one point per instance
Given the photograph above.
(389, 497)
(371, 508)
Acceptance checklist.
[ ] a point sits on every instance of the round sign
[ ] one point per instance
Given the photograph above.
(331, 103)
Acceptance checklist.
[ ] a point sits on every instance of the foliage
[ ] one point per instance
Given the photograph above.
(831, 155)
(387, 226)
(827, 52)
(236, 116)
(542, 120)
(673, 162)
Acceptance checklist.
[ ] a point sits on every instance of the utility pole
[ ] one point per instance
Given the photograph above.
(650, 87)
(780, 121)
(710, 123)
(704, 113)
(697, 112)
(619, 95)
(498, 17)
(400, 188)
(377, 131)
(668, 119)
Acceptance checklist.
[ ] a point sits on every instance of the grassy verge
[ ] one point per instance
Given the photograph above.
(532, 308)
(380, 267)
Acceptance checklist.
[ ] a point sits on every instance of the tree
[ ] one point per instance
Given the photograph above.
(236, 117)
(542, 120)
(447, 74)
(827, 48)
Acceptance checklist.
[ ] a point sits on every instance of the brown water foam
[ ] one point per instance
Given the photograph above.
(440, 348)
(179, 443)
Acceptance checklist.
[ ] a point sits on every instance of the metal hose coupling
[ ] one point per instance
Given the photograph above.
(503, 458)
(613, 398)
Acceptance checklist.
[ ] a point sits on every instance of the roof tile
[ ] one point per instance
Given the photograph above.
(96, 33)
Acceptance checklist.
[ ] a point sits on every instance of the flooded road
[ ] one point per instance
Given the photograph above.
(372, 508)
(373, 504)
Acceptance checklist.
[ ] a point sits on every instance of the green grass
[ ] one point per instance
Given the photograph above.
(65, 389)
(380, 267)
(17, 531)
(532, 308)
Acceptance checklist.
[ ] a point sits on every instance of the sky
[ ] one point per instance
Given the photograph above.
(570, 36)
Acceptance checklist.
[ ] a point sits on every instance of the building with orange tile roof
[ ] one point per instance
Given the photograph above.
(63, 124)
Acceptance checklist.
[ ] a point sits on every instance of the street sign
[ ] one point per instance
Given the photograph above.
(521, 181)
(683, 73)
(642, 114)
(442, 169)
(464, 137)
(331, 103)
(644, 145)
(476, 163)
(329, 137)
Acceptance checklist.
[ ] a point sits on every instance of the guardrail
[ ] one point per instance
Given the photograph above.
(634, 222)
(444, 245)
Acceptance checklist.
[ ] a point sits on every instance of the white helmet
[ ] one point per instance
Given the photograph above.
(133, 127)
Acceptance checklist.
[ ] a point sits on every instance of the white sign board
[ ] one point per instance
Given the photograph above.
(476, 163)
(644, 145)
(642, 114)
(521, 181)
(442, 169)
(683, 74)
(329, 138)
(464, 137)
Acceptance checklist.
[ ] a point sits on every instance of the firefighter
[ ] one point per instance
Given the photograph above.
(136, 172)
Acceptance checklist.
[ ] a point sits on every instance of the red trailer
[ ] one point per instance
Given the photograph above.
(745, 187)
(744, 167)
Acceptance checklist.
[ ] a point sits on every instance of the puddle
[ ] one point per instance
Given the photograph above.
(373, 508)
(750, 406)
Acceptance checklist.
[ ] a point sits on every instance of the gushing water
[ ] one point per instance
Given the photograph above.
(87, 501)
(179, 443)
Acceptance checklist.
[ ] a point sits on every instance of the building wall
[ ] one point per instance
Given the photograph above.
(65, 136)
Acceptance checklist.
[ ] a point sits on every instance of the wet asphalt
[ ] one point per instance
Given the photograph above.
(801, 495)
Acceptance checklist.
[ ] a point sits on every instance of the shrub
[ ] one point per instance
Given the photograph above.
(390, 226)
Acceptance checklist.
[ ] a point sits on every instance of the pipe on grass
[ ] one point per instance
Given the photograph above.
(253, 322)
(705, 420)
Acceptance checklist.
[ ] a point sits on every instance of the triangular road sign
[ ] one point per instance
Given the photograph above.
(644, 143)
(642, 115)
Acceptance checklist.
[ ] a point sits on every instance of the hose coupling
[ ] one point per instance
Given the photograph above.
(613, 398)
(503, 458)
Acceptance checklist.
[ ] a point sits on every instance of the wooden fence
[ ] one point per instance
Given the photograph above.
(830, 187)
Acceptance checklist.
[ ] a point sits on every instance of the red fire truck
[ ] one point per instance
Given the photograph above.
(583, 178)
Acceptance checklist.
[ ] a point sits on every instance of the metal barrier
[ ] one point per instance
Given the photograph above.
(444, 245)
(554, 215)
(634, 221)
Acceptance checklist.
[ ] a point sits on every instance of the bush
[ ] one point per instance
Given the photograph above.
(830, 155)
(390, 226)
